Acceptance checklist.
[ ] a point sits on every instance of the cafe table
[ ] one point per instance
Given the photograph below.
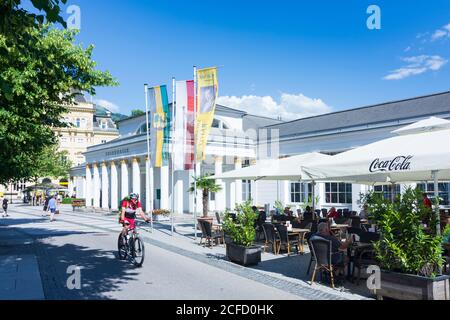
(301, 235)
(335, 228)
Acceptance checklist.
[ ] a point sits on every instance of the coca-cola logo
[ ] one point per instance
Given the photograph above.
(400, 163)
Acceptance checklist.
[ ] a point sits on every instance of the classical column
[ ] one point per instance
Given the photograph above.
(124, 178)
(164, 184)
(96, 193)
(87, 189)
(178, 193)
(114, 187)
(136, 176)
(70, 186)
(148, 185)
(238, 183)
(105, 186)
(220, 196)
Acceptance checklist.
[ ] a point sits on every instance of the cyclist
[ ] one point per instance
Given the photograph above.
(128, 214)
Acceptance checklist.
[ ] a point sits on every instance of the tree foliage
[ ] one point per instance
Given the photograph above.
(405, 245)
(137, 112)
(207, 185)
(242, 232)
(41, 71)
(52, 163)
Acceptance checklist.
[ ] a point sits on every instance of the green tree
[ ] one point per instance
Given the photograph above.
(137, 112)
(207, 185)
(41, 71)
(14, 19)
(52, 163)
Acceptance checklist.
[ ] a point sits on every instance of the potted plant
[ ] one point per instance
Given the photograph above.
(240, 235)
(206, 185)
(409, 254)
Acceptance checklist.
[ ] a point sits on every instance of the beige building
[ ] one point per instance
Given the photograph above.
(91, 125)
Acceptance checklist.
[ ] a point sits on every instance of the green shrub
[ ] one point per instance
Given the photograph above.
(405, 246)
(242, 232)
(69, 200)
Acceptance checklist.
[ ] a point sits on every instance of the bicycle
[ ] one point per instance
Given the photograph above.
(132, 246)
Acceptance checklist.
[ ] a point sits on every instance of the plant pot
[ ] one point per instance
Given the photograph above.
(403, 286)
(159, 217)
(245, 256)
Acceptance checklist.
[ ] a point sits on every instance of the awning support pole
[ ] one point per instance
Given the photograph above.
(436, 197)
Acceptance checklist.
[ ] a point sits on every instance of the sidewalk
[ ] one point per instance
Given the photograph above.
(279, 271)
(19, 271)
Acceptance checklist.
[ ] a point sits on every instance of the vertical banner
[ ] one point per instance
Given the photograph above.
(160, 126)
(184, 126)
(189, 128)
(206, 105)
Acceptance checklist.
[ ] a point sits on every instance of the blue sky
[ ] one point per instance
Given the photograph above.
(277, 57)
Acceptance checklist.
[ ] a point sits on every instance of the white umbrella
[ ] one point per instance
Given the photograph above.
(421, 155)
(275, 169)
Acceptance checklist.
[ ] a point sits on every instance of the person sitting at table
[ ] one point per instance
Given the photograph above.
(337, 247)
(308, 214)
(333, 213)
(363, 214)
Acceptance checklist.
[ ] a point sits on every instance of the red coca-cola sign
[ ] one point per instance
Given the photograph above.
(399, 163)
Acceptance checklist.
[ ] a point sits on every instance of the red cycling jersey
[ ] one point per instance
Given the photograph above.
(130, 208)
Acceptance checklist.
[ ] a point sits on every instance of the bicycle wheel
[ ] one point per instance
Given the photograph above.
(138, 252)
(122, 248)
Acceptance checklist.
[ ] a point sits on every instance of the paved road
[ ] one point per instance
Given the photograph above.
(83, 241)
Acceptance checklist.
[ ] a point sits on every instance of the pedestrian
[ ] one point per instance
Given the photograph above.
(5, 207)
(45, 206)
(52, 205)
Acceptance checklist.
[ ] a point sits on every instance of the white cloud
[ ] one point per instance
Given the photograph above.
(417, 65)
(289, 107)
(441, 33)
(107, 104)
(407, 49)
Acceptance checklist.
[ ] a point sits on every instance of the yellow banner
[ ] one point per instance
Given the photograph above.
(207, 92)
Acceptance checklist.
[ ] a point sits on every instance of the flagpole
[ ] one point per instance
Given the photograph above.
(195, 152)
(148, 155)
(172, 156)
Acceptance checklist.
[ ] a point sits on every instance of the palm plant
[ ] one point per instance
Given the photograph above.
(207, 185)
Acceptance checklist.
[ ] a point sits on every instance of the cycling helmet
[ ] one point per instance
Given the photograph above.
(134, 196)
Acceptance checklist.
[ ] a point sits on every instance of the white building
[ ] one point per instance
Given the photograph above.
(114, 169)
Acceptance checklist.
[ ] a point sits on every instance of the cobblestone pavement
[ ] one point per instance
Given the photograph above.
(176, 266)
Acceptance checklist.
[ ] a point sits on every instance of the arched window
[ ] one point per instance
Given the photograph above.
(46, 181)
(141, 129)
(219, 124)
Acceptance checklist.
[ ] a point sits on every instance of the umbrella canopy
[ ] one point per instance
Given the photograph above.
(430, 124)
(275, 169)
(405, 158)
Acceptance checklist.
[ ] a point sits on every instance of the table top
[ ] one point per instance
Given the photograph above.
(339, 226)
(298, 230)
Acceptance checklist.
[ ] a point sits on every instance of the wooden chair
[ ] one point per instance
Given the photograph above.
(321, 249)
(211, 235)
(271, 237)
(287, 241)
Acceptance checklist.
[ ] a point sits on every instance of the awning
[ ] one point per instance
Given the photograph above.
(275, 169)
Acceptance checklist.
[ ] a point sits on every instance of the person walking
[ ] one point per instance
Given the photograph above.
(5, 207)
(47, 199)
(52, 205)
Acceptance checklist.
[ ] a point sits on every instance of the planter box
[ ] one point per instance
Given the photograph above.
(411, 287)
(159, 217)
(245, 256)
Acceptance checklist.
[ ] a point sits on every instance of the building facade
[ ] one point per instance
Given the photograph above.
(90, 125)
(238, 139)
